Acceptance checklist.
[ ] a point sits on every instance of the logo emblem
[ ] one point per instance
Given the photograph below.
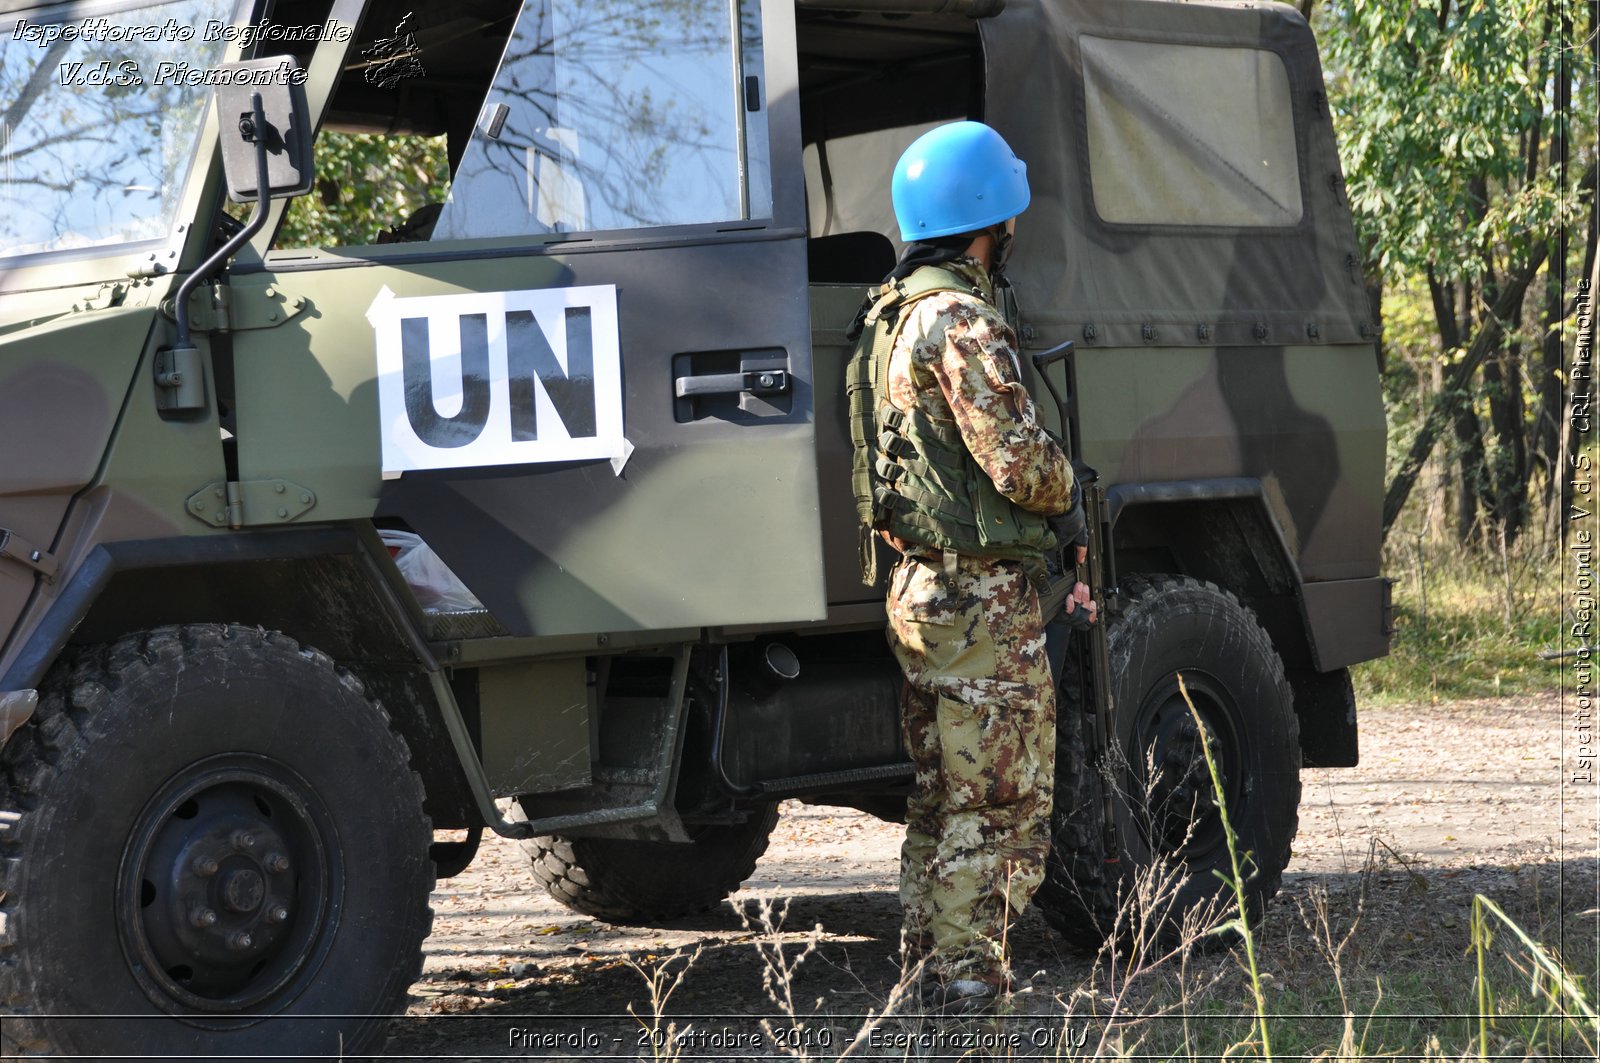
(499, 378)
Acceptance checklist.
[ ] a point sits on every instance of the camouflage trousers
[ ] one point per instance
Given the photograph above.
(978, 721)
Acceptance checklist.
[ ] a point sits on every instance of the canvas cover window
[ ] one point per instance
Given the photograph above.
(610, 114)
(1189, 135)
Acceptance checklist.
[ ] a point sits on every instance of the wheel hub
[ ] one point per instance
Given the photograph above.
(243, 890)
(1170, 781)
(226, 885)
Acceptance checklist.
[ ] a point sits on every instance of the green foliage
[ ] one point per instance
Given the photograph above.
(1462, 160)
(366, 183)
(1432, 113)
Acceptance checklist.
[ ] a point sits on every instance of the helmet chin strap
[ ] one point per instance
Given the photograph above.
(1002, 252)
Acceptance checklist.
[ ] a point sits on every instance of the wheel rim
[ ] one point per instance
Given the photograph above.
(229, 887)
(1170, 787)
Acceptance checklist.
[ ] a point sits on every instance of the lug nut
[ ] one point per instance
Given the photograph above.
(204, 866)
(278, 914)
(243, 839)
(277, 863)
(240, 941)
(203, 917)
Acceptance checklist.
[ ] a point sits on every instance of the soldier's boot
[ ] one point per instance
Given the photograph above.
(966, 995)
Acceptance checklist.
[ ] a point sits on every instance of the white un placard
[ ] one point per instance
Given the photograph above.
(499, 378)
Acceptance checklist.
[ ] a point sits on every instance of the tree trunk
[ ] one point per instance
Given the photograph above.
(1474, 477)
(1547, 419)
(1546, 442)
(1446, 402)
(1476, 487)
(1440, 485)
(1506, 485)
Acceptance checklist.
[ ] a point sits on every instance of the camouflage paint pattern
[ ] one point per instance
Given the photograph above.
(1202, 351)
(978, 721)
(1307, 421)
(978, 706)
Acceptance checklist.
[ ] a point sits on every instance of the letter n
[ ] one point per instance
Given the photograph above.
(571, 390)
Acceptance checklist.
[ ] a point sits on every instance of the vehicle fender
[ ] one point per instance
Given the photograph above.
(321, 585)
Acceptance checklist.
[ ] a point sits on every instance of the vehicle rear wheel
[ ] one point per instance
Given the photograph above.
(650, 883)
(1166, 819)
(210, 835)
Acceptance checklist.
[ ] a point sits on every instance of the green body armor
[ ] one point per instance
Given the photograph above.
(912, 476)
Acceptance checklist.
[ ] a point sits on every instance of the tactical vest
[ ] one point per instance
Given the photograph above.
(912, 476)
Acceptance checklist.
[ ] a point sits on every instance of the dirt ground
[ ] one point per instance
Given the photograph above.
(1462, 798)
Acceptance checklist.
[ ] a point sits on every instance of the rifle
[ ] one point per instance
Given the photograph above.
(1094, 512)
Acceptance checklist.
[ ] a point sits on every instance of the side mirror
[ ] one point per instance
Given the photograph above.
(266, 155)
(285, 132)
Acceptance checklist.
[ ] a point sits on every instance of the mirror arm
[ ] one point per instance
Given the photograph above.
(258, 218)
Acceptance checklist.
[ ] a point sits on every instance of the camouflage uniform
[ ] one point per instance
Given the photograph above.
(978, 707)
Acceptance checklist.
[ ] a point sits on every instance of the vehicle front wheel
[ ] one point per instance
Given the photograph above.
(210, 836)
(1167, 829)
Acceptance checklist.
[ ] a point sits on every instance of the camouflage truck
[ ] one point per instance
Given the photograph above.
(600, 377)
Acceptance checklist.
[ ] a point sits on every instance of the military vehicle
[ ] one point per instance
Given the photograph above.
(601, 379)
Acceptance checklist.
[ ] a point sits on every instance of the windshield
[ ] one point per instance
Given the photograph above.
(100, 110)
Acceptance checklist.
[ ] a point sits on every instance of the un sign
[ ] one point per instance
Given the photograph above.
(498, 378)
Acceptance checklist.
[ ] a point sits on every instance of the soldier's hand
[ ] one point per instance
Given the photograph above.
(896, 543)
(1081, 607)
(1083, 554)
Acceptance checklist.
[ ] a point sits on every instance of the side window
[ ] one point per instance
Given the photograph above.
(1189, 135)
(609, 114)
(97, 137)
(847, 179)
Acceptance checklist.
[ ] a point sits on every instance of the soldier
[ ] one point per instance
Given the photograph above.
(963, 482)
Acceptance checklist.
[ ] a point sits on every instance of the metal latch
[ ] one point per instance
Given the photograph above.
(754, 382)
(14, 547)
(236, 503)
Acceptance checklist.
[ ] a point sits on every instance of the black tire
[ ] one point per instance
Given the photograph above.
(1172, 625)
(211, 834)
(651, 883)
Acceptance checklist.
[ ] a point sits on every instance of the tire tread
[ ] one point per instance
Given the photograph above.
(70, 719)
(593, 876)
(1079, 898)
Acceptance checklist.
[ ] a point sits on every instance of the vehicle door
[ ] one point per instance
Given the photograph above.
(590, 389)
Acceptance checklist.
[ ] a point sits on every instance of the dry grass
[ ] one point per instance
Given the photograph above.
(1468, 624)
(1356, 968)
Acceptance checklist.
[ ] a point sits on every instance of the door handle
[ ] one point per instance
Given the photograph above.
(753, 382)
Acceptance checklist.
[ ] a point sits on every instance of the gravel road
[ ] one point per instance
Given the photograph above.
(1468, 797)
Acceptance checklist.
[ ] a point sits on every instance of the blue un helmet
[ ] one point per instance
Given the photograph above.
(957, 178)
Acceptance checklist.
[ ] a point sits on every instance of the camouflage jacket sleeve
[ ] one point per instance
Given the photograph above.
(970, 352)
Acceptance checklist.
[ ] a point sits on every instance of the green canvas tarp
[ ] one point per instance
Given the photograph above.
(1180, 155)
